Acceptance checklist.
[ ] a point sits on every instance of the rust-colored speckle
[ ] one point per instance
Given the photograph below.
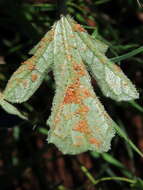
(82, 110)
(34, 77)
(82, 127)
(79, 69)
(30, 63)
(69, 57)
(78, 28)
(31, 66)
(71, 95)
(75, 93)
(42, 45)
(94, 141)
(44, 40)
(57, 118)
(85, 92)
(48, 37)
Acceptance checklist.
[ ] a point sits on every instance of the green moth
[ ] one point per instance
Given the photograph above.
(78, 120)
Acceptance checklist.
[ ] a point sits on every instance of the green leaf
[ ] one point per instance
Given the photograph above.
(127, 55)
(112, 160)
(122, 134)
(137, 106)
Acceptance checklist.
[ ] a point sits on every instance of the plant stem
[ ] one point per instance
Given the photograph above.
(127, 55)
(95, 182)
(116, 178)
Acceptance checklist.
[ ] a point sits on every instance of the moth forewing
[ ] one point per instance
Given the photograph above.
(112, 81)
(29, 76)
(77, 28)
(78, 121)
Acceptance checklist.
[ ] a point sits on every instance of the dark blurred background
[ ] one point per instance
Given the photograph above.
(27, 162)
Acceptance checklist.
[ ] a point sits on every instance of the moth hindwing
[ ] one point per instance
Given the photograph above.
(78, 121)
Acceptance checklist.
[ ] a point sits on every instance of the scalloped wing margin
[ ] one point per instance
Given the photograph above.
(110, 78)
(78, 122)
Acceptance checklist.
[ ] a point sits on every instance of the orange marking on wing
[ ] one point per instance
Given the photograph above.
(75, 94)
(79, 69)
(82, 110)
(71, 95)
(85, 92)
(94, 141)
(82, 127)
(69, 57)
(30, 63)
(57, 118)
(47, 38)
(34, 77)
(78, 28)
(31, 66)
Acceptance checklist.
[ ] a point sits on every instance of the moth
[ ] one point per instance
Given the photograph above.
(78, 121)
